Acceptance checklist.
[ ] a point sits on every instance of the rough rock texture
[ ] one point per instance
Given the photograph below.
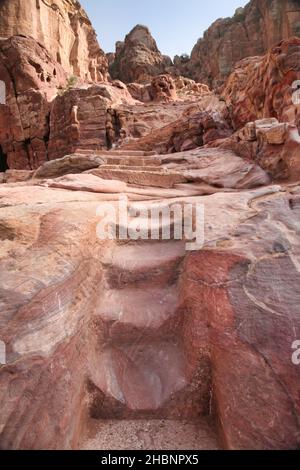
(150, 435)
(63, 28)
(145, 329)
(141, 337)
(138, 59)
(45, 118)
(166, 88)
(275, 146)
(85, 118)
(263, 87)
(191, 130)
(163, 89)
(250, 32)
(32, 79)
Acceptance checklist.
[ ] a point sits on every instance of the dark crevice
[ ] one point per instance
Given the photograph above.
(26, 146)
(3, 161)
(113, 128)
(47, 135)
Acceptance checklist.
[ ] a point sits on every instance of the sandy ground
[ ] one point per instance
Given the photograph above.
(150, 435)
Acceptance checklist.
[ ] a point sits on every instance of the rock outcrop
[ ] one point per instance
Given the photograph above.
(250, 32)
(138, 58)
(262, 87)
(32, 79)
(63, 28)
(46, 117)
(275, 146)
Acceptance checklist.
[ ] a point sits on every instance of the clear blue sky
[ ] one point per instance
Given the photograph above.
(175, 24)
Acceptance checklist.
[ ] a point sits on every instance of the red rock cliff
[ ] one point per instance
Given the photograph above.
(63, 28)
(250, 32)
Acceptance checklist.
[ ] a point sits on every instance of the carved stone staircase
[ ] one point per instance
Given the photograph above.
(141, 378)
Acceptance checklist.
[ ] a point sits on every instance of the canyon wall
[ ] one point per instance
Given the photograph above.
(250, 32)
(32, 79)
(261, 87)
(63, 28)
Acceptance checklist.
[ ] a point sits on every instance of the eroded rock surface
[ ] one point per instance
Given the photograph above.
(262, 87)
(275, 146)
(250, 32)
(138, 58)
(146, 329)
(32, 79)
(63, 28)
(143, 338)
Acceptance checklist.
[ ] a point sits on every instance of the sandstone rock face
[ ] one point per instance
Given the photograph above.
(169, 88)
(275, 146)
(250, 32)
(145, 329)
(188, 132)
(262, 87)
(32, 79)
(63, 28)
(85, 118)
(42, 118)
(45, 118)
(163, 89)
(138, 59)
(118, 333)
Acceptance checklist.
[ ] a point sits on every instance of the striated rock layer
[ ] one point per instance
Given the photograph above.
(63, 28)
(262, 87)
(143, 329)
(44, 117)
(144, 337)
(32, 79)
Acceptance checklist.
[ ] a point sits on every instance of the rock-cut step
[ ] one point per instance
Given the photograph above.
(154, 179)
(150, 229)
(158, 434)
(150, 265)
(151, 161)
(140, 377)
(130, 311)
(115, 152)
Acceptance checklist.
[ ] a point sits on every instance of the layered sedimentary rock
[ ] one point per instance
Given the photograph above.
(32, 79)
(138, 58)
(46, 117)
(144, 329)
(262, 87)
(63, 28)
(250, 32)
(85, 118)
(193, 129)
(275, 146)
(121, 329)
(42, 118)
(166, 88)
